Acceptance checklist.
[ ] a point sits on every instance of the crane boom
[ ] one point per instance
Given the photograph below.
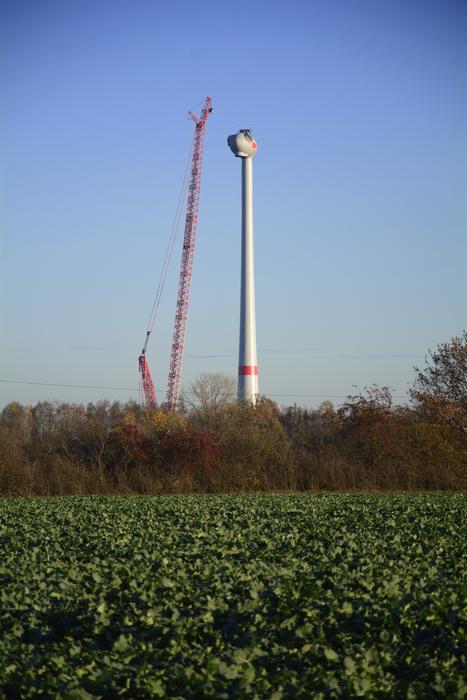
(186, 265)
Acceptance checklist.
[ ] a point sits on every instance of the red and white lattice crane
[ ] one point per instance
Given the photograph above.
(186, 265)
(147, 391)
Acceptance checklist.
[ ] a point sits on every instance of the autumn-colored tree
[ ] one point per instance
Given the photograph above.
(439, 391)
(129, 446)
(373, 405)
(190, 451)
(367, 437)
(256, 453)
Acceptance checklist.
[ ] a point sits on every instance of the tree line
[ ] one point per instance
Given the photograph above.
(214, 444)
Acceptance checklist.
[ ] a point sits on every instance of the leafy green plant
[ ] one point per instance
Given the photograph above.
(245, 596)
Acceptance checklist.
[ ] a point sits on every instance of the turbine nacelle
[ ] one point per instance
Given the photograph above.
(242, 144)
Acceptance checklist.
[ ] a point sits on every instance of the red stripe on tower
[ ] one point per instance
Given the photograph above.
(248, 369)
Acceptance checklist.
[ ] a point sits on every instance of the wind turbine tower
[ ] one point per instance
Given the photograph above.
(243, 145)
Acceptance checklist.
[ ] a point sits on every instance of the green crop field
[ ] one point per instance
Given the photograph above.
(243, 596)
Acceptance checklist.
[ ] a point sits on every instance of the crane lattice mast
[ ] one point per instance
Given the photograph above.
(184, 283)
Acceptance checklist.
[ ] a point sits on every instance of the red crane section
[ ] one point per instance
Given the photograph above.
(186, 266)
(146, 386)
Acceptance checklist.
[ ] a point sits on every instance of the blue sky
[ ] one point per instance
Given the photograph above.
(360, 112)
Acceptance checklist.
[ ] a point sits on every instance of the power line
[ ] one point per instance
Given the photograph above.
(126, 388)
(71, 386)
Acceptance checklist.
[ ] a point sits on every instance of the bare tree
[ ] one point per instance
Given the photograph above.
(209, 395)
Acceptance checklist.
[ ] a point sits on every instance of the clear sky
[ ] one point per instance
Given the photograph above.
(360, 112)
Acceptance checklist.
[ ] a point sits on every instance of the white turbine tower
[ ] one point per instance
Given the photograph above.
(243, 145)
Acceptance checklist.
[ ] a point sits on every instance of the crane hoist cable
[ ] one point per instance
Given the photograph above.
(146, 389)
